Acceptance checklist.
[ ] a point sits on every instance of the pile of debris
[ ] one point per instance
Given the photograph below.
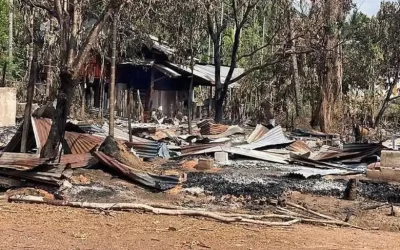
(82, 147)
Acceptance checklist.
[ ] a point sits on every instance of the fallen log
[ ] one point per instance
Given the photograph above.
(311, 211)
(223, 217)
(329, 218)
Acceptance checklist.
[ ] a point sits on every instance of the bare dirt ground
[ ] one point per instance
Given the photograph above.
(26, 226)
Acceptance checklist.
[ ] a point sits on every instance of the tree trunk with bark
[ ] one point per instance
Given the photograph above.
(112, 82)
(57, 131)
(330, 72)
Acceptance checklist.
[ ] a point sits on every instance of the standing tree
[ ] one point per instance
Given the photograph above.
(329, 64)
(79, 24)
(389, 23)
(241, 14)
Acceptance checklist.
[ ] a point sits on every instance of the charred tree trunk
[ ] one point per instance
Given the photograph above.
(218, 101)
(3, 80)
(28, 107)
(57, 131)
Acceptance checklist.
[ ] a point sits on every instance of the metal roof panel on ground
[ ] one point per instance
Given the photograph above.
(28, 162)
(153, 181)
(299, 147)
(257, 133)
(273, 137)
(150, 149)
(232, 130)
(119, 134)
(242, 152)
(81, 143)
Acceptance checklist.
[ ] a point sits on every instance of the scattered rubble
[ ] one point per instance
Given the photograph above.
(218, 160)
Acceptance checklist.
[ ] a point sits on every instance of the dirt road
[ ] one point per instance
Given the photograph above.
(26, 226)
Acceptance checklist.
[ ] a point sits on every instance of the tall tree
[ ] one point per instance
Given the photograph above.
(389, 21)
(329, 69)
(76, 38)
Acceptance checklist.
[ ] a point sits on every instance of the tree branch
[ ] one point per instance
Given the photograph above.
(210, 27)
(94, 32)
(40, 6)
(256, 68)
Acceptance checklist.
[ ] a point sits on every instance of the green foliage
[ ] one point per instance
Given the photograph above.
(3, 27)
(363, 53)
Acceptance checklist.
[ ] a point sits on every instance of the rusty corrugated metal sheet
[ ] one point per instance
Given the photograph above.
(149, 180)
(77, 143)
(208, 127)
(258, 133)
(41, 129)
(77, 161)
(25, 162)
(198, 147)
(272, 138)
(81, 143)
(299, 147)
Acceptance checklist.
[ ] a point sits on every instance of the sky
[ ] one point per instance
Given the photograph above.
(369, 7)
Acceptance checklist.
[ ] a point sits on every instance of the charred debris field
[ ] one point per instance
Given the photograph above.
(255, 184)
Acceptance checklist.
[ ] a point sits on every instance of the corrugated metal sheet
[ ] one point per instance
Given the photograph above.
(299, 147)
(264, 156)
(232, 130)
(257, 134)
(195, 148)
(157, 182)
(41, 129)
(208, 127)
(150, 149)
(77, 161)
(25, 162)
(119, 134)
(207, 72)
(81, 143)
(272, 138)
(167, 71)
(77, 143)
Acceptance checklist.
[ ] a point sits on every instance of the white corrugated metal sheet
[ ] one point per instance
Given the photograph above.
(207, 72)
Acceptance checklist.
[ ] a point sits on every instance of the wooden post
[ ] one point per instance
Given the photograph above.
(28, 107)
(130, 110)
(112, 82)
(210, 100)
(83, 104)
(149, 102)
(140, 106)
